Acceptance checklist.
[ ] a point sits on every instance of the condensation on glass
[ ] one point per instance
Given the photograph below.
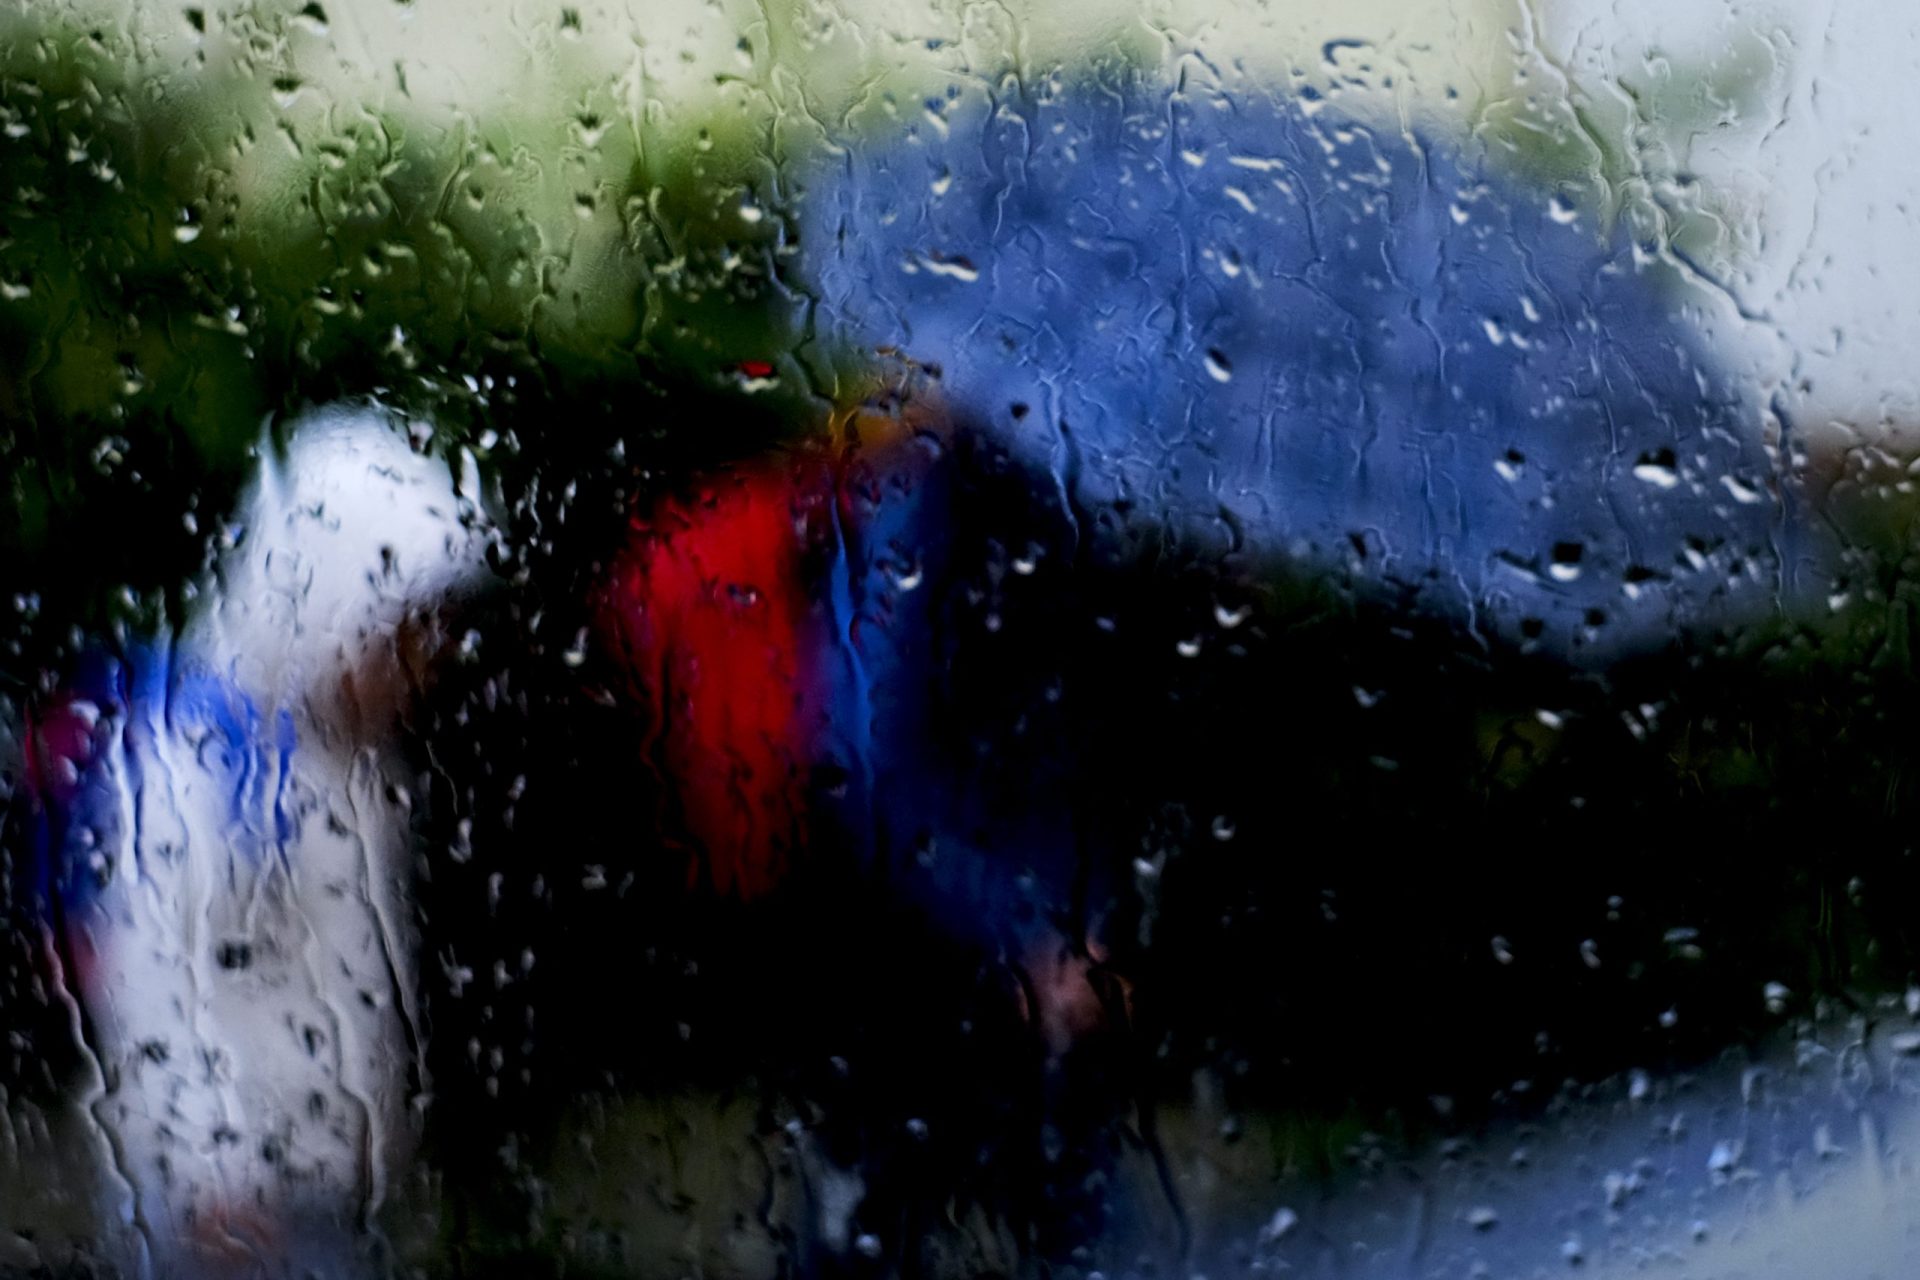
(955, 640)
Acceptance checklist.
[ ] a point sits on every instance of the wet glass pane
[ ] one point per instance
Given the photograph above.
(1165, 639)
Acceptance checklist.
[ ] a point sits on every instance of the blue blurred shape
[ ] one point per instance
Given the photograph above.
(1255, 327)
(118, 740)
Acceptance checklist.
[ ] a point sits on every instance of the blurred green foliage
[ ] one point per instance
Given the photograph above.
(186, 254)
(183, 257)
(1621, 144)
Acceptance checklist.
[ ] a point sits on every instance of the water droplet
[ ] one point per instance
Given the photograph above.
(960, 269)
(1657, 469)
(1283, 1221)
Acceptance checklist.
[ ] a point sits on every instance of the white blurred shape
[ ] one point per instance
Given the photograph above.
(249, 973)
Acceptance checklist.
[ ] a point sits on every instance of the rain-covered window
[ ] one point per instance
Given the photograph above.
(1130, 638)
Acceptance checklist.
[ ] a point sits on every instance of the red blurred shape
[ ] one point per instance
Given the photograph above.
(710, 608)
(60, 745)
